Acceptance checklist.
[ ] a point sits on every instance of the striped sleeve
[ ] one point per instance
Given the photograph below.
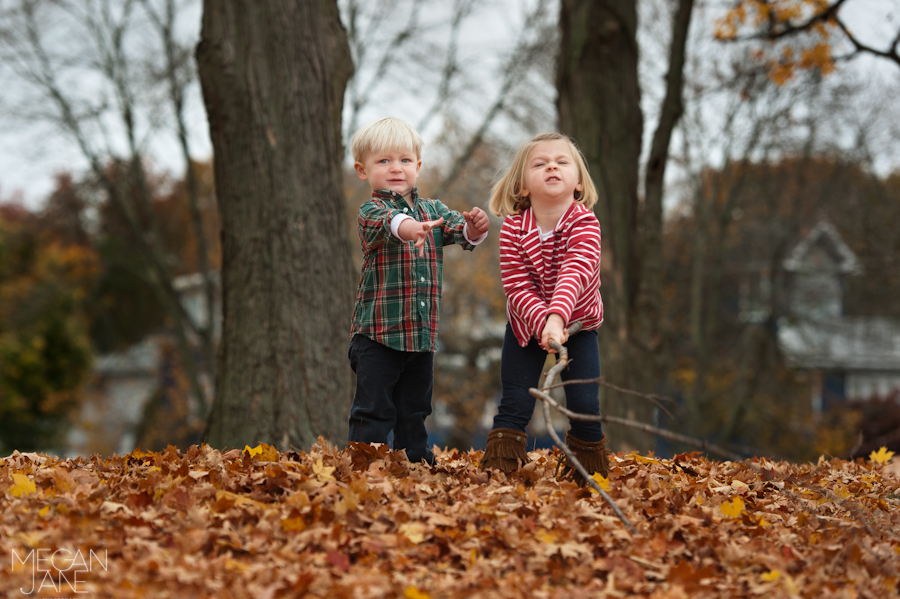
(523, 297)
(579, 267)
(374, 225)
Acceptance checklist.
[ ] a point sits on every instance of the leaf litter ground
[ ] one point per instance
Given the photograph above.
(364, 522)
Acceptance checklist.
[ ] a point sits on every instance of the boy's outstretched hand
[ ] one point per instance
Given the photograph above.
(477, 222)
(412, 230)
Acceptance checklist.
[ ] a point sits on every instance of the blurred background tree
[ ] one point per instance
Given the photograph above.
(45, 351)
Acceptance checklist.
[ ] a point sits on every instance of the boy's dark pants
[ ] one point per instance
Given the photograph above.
(520, 369)
(393, 391)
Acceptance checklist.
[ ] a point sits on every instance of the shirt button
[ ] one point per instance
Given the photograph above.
(422, 304)
(406, 210)
(422, 279)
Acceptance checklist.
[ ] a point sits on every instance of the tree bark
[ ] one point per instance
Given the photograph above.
(599, 106)
(273, 74)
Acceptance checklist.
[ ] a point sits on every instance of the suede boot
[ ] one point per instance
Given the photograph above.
(591, 455)
(505, 450)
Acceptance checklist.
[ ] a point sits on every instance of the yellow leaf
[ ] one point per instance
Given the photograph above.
(638, 457)
(733, 509)
(545, 536)
(883, 456)
(44, 510)
(763, 522)
(791, 586)
(414, 531)
(414, 593)
(771, 576)
(232, 565)
(32, 540)
(602, 481)
(291, 524)
(137, 454)
(239, 500)
(23, 485)
(322, 472)
(266, 452)
(350, 498)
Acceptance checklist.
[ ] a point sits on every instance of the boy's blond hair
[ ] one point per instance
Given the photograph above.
(385, 135)
(506, 195)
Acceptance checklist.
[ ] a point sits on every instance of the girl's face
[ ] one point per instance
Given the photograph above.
(551, 173)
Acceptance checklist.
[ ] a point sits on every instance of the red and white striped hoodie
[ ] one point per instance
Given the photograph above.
(560, 273)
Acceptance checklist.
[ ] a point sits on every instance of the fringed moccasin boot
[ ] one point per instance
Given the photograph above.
(592, 456)
(505, 450)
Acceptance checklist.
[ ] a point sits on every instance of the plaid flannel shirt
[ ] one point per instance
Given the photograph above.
(398, 302)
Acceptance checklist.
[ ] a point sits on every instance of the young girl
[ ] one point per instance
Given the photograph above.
(550, 265)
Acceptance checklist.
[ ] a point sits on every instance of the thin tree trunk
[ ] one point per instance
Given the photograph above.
(652, 215)
(273, 74)
(599, 106)
(165, 24)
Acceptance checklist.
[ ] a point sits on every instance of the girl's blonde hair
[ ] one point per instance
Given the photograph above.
(506, 196)
(385, 135)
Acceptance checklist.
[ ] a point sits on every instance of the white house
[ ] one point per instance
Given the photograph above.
(852, 358)
(125, 381)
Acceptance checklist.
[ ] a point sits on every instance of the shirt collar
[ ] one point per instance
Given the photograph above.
(529, 223)
(387, 194)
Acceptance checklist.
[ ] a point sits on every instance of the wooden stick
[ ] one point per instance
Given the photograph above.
(551, 374)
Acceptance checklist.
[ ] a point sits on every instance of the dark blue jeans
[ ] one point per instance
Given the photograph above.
(393, 392)
(520, 370)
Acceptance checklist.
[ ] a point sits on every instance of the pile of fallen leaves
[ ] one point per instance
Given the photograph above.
(364, 522)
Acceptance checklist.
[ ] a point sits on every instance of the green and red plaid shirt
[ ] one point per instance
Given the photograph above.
(398, 302)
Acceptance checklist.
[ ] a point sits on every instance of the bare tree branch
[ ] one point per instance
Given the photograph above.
(359, 98)
(520, 58)
(778, 30)
(173, 73)
(35, 65)
(548, 401)
(890, 54)
(656, 399)
(461, 9)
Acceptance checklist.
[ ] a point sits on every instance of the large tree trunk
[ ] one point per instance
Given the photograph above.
(273, 74)
(599, 106)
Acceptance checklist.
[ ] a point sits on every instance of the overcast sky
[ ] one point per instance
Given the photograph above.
(31, 153)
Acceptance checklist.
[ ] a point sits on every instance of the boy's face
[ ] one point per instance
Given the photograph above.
(395, 170)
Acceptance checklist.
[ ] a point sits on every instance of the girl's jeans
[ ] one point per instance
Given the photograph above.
(520, 370)
(393, 391)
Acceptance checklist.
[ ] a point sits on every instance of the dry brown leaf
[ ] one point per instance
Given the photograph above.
(365, 522)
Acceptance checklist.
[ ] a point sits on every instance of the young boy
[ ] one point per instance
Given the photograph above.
(395, 320)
